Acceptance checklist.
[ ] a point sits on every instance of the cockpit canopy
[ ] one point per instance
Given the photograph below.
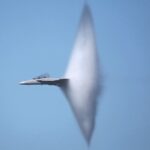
(46, 75)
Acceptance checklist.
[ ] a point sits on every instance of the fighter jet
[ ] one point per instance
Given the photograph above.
(44, 79)
(81, 82)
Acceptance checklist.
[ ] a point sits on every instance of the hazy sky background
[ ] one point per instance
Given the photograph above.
(37, 36)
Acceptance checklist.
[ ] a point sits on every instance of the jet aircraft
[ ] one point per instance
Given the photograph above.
(81, 81)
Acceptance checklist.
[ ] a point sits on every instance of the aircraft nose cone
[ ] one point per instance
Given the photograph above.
(22, 83)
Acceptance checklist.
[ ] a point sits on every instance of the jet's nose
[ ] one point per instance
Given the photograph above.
(22, 83)
(25, 82)
(29, 82)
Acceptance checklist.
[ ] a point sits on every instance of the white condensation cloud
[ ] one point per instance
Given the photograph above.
(81, 82)
(83, 86)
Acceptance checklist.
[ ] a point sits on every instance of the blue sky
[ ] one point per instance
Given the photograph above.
(37, 36)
